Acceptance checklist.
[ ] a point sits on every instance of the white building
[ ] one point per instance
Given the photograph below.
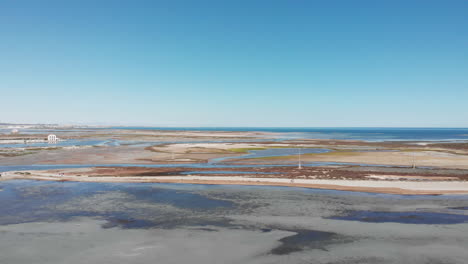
(52, 138)
(15, 131)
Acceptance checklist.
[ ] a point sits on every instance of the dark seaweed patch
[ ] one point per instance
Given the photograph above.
(303, 240)
(460, 208)
(404, 217)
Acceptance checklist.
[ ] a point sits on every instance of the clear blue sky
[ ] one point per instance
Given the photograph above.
(235, 63)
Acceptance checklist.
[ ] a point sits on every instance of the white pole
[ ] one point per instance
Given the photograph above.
(300, 165)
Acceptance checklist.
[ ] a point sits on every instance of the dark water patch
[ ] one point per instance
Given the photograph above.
(429, 218)
(305, 240)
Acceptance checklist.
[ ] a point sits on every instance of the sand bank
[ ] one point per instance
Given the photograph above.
(375, 186)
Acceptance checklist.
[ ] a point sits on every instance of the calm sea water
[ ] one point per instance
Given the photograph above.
(367, 134)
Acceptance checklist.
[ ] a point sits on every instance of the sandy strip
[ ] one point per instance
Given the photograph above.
(390, 187)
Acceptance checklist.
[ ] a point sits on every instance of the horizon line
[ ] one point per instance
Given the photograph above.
(212, 126)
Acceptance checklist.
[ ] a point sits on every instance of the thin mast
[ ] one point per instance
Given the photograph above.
(300, 162)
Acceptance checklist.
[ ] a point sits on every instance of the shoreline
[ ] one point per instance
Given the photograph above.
(368, 186)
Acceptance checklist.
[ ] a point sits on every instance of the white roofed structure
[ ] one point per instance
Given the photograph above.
(52, 138)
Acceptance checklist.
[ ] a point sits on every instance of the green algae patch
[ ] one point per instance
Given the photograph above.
(244, 150)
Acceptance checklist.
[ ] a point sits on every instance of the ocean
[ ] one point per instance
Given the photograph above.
(361, 133)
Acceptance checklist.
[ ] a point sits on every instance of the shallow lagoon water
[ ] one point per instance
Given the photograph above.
(180, 221)
(35, 200)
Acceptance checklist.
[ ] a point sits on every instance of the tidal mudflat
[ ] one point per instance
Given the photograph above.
(160, 196)
(86, 222)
